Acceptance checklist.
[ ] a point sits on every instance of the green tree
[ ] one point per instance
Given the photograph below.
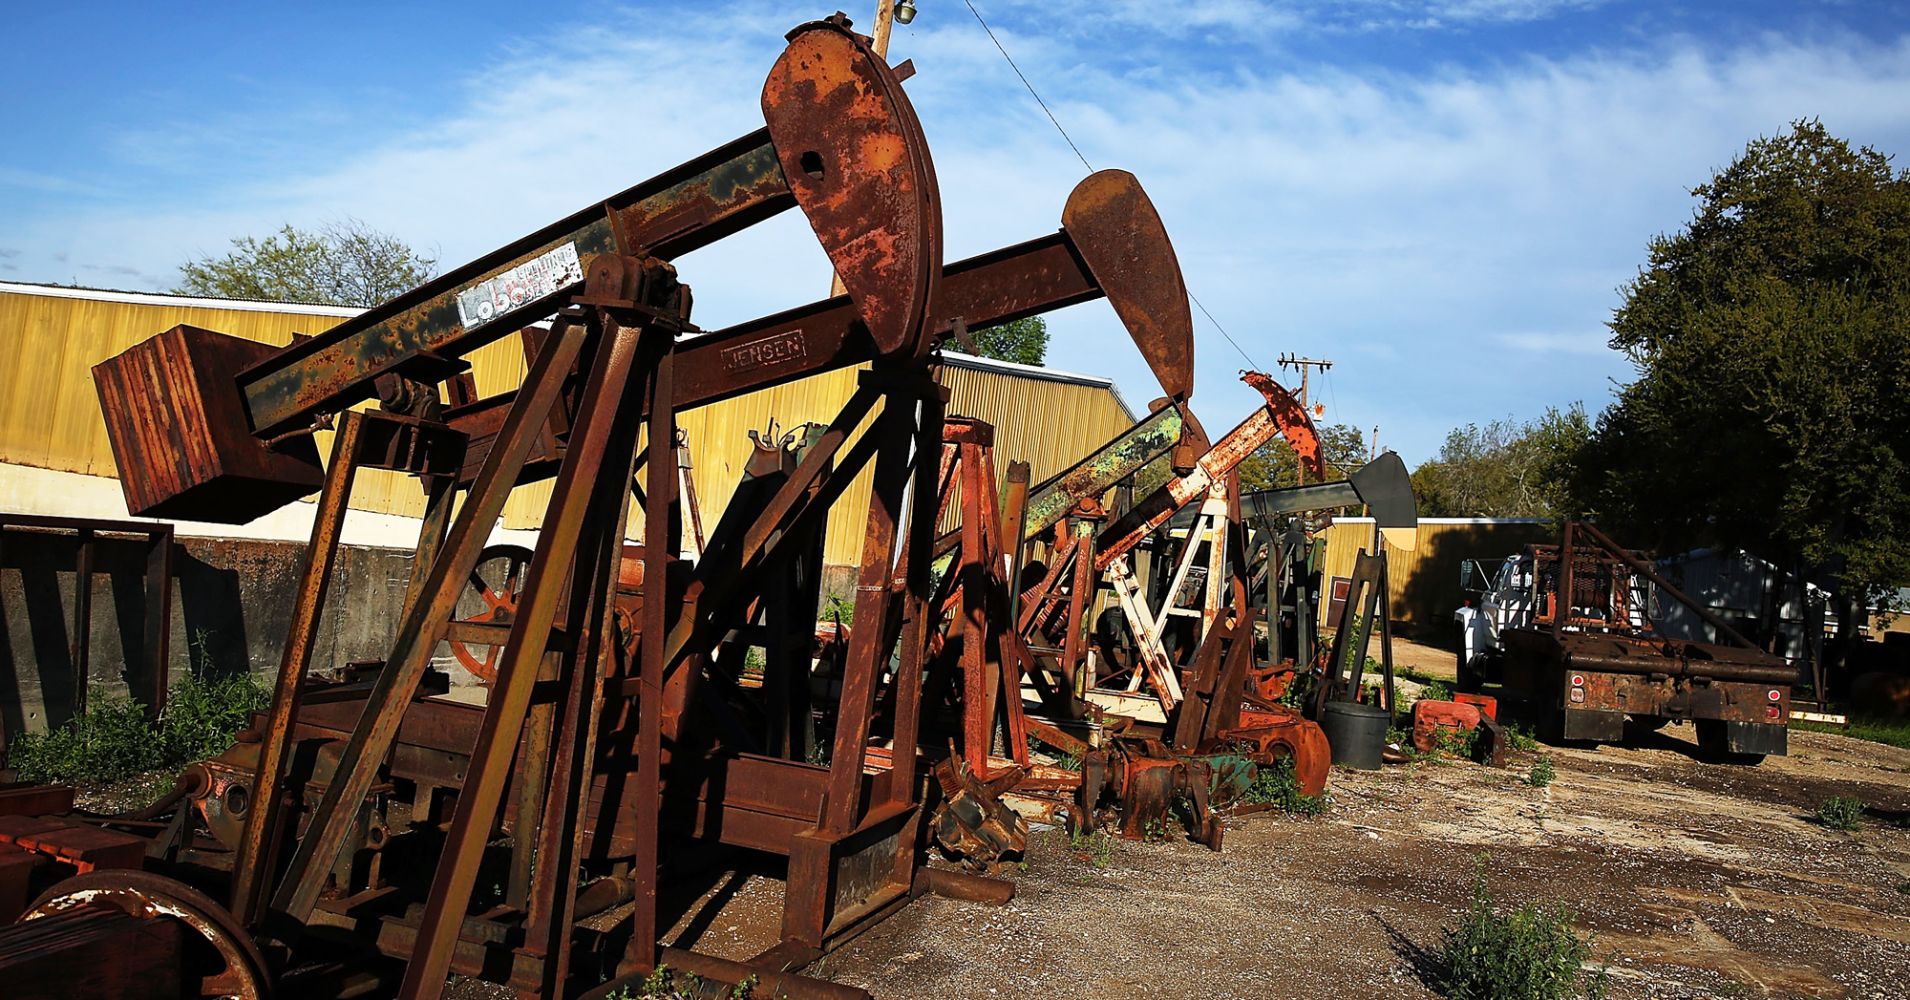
(1771, 337)
(1023, 341)
(1275, 465)
(1506, 468)
(340, 264)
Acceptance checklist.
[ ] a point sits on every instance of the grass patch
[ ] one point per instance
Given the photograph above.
(1841, 812)
(1542, 773)
(1531, 953)
(113, 740)
(1876, 729)
(1096, 846)
(1277, 785)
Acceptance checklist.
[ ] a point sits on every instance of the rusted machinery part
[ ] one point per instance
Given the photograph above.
(971, 823)
(857, 161)
(500, 605)
(1119, 234)
(1272, 736)
(1296, 425)
(233, 968)
(193, 782)
(1157, 792)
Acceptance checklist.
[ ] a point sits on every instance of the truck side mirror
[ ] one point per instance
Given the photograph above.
(1465, 575)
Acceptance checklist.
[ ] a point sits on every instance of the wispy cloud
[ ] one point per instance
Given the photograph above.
(1583, 344)
(1368, 215)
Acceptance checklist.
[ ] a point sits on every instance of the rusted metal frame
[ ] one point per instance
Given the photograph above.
(158, 624)
(1562, 598)
(441, 494)
(81, 651)
(594, 441)
(1154, 435)
(1364, 593)
(659, 552)
(563, 554)
(1158, 507)
(1080, 598)
(979, 681)
(1651, 573)
(1040, 275)
(1156, 669)
(916, 610)
(1011, 659)
(725, 569)
(158, 615)
(419, 633)
(1202, 682)
(592, 612)
(251, 866)
(532, 781)
(1043, 592)
(1014, 519)
(689, 206)
(867, 654)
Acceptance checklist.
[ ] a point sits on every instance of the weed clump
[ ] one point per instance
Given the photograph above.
(1531, 953)
(1542, 773)
(1277, 785)
(1841, 812)
(113, 740)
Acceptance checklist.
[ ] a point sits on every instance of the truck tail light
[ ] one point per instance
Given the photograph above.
(1775, 695)
(1578, 695)
(1771, 712)
(1578, 680)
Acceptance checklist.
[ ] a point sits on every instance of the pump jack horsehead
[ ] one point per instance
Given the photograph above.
(616, 736)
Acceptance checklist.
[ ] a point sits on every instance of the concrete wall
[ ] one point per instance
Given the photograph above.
(231, 607)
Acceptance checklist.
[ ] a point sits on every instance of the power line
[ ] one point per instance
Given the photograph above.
(1251, 363)
(1030, 86)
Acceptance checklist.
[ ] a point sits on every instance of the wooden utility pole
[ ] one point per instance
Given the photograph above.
(1303, 365)
(879, 41)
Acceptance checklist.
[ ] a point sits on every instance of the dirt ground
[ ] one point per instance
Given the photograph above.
(1698, 880)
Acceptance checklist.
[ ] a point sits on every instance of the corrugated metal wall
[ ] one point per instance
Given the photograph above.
(50, 418)
(1424, 582)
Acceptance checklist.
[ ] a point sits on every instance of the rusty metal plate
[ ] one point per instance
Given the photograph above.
(1116, 230)
(857, 161)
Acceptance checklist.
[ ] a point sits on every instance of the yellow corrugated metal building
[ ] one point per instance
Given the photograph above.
(50, 418)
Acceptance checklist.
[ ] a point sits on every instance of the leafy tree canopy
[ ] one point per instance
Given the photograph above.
(340, 264)
(1506, 468)
(1023, 341)
(1771, 337)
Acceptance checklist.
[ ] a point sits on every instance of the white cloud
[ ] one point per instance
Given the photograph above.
(1362, 215)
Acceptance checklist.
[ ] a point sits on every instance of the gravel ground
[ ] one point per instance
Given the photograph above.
(1697, 879)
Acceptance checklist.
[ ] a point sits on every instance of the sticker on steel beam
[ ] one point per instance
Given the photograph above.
(533, 279)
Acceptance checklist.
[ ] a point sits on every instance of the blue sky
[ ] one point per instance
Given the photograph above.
(1442, 196)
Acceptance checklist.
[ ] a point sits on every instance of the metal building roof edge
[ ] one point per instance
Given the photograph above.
(170, 299)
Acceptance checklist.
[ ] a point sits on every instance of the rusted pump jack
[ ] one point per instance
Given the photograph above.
(617, 733)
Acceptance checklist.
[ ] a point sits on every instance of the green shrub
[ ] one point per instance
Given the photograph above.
(112, 740)
(1520, 738)
(1542, 772)
(1841, 812)
(1435, 691)
(1532, 953)
(1095, 845)
(1276, 784)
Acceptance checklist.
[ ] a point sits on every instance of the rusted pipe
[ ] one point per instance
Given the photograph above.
(963, 886)
(1722, 670)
